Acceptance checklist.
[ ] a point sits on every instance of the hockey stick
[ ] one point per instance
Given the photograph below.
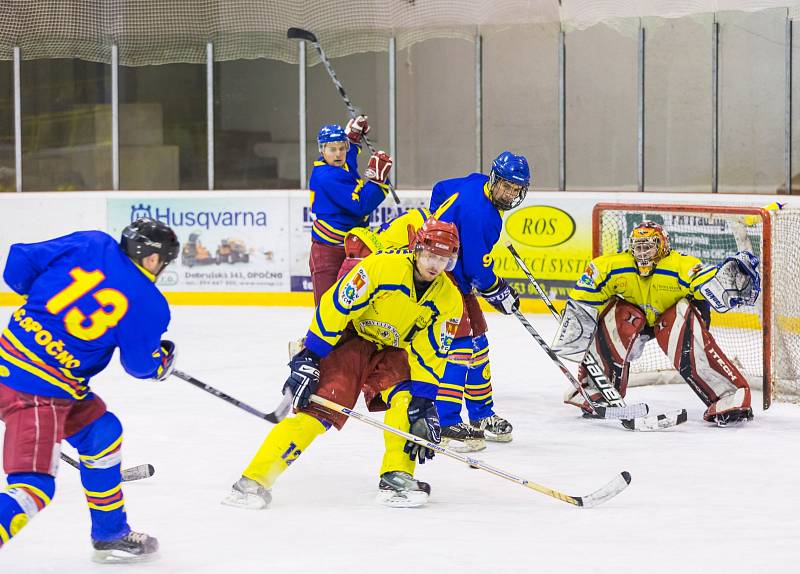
(274, 417)
(128, 474)
(607, 492)
(634, 416)
(307, 36)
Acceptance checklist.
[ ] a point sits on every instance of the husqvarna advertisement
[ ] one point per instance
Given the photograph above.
(225, 245)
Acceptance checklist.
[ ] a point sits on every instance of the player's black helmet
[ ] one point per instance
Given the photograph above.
(146, 236)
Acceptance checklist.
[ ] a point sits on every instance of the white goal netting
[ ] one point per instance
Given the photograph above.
(763, 340)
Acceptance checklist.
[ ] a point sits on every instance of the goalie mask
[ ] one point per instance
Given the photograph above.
(649, 244)
(439, 240)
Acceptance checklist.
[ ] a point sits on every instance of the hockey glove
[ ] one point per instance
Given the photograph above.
(167, 355)
(304, 379)
(736, 283)
(380, 164)
(356, 128)
(424, 420)
(503, 297)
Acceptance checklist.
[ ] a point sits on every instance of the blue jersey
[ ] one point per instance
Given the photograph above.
(340, 199)
(85, 297)
(465, 202)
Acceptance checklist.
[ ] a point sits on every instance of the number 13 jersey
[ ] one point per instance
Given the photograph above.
(85, 297)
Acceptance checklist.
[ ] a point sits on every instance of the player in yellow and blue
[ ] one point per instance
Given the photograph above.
(384, 329)
(86, 295)
(340, 198)
(475, 204)
(650, 291)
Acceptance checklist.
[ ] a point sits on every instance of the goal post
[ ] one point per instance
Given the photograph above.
(764, 340)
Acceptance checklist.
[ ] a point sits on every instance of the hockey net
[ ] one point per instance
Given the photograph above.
(764, 340)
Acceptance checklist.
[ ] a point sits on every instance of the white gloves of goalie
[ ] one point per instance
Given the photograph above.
(736, 283)
(575, 332)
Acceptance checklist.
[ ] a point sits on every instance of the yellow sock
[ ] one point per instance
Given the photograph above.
(283, 445)
(397, 416)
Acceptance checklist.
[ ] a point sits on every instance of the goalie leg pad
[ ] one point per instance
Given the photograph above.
(604, 370)
(691, 348)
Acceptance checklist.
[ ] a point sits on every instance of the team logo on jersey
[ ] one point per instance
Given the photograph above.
(587, 279)
(386, 332)
(695, 270)
(447, 334)
(354, 288)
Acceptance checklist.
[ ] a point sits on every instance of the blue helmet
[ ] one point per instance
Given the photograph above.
(330, 133)
(512, 168)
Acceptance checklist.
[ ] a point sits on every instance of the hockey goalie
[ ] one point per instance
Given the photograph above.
(624, 300)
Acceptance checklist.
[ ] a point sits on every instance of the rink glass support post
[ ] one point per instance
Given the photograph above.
(393, 105)
(17, 118)
(562, 111)
(715, 106)
(788, 106)
(210, 113)
(302, 112)
(640, 112)
(115, 117)
(478, 103)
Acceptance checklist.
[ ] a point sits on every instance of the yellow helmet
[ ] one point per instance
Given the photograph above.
(649, 244)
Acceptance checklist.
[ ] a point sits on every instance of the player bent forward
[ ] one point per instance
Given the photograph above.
(625, 299)
(86, 296)
(385, 327)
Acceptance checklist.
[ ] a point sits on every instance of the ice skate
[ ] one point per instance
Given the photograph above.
(401, 490)
(133, 547)
(247, 493)
(462, 437)
(495, 428)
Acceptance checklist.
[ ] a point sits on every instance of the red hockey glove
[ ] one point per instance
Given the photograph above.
(356, 128)
(380, 164)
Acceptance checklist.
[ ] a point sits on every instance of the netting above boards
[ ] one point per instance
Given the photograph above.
(159, 32)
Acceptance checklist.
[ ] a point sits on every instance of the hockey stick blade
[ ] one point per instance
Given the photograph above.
(634, 411)
(657, 422)
(605, 493)
(301, 34)
(138, 472)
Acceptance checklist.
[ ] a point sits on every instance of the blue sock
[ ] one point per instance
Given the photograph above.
(27, 493)
(478, 390)
(449, 399)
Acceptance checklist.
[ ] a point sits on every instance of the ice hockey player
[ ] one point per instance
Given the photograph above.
(385, 327)
(340, 198)
(475, 204)
(85, 295)
(625, 299)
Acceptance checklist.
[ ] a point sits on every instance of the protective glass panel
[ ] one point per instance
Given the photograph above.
(751, 101)
(7, 172)
(520, 98)
(255, 125)
(162, 127)
(601, 94)
(677, 141)
(66, 125)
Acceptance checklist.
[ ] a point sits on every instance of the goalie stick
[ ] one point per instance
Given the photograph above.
(634, 417)
(607, 492)
(308, 36)
(128, 474)
(274, 417)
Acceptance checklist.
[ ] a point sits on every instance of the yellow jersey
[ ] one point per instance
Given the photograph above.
(379, 299)
(675, 277)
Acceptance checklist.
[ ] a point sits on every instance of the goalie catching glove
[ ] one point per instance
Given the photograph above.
(736, 283)
(304, 379)
(424, 420)
(575, 332)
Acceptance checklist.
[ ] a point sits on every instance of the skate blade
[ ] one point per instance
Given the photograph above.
(407, 499)
(122, 557)
(471, 445)
(247, 501)
(490, 437)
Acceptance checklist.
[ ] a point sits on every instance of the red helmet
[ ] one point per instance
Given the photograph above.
(438, 237)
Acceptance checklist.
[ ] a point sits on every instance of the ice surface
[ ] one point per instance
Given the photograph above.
(702, 499)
